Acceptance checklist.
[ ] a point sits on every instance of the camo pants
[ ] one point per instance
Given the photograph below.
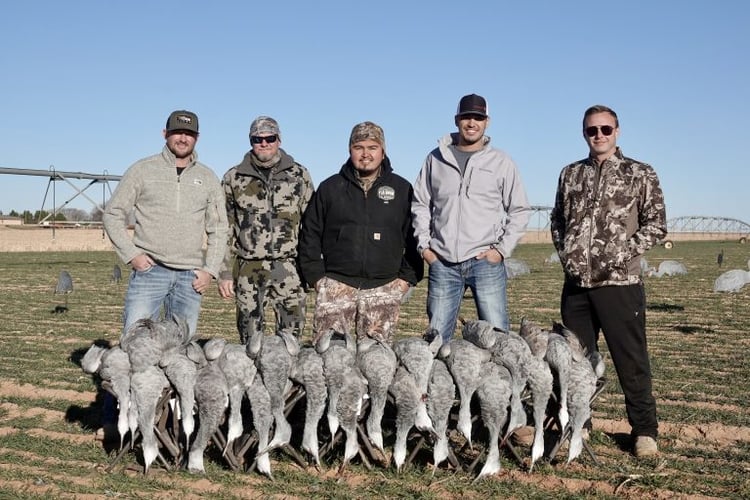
(263, 283)
(371, 313)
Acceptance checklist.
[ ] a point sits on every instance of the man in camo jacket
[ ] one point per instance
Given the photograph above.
(609, 209)
(266, 195)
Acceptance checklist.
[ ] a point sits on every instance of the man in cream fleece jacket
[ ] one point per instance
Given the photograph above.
(176, 202)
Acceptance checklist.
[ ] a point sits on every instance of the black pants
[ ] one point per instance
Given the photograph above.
(620, 313)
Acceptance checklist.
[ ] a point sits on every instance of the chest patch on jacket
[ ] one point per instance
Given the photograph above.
(386, 193)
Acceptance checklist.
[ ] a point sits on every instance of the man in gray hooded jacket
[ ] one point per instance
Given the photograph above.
(470, 210)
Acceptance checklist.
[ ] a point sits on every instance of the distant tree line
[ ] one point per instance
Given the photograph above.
(65, 214)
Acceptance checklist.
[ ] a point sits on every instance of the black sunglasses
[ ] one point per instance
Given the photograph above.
(606, 130)
(472, 116)
(270, 139)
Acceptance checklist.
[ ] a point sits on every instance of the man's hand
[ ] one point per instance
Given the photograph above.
(403, 285)
(142, 262)
(202, 280)
(226, 289)
(429, 256)
(492, 255)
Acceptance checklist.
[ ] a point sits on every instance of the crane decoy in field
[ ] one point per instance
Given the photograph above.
(668, 268)
(720, 258)
(116, 274)
(516, 267)
(64, 287)
(732, 280)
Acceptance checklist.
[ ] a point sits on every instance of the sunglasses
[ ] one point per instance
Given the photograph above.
(606, 130)
(256, 139)
(470, 116)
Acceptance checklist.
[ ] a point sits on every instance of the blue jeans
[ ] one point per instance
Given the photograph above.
(159, 286)
(446, 284)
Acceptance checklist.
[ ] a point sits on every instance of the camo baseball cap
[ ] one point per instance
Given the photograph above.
(367, 130)
(182, 120)
(264, 125)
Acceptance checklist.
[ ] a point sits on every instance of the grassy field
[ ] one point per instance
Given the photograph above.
(50, 409)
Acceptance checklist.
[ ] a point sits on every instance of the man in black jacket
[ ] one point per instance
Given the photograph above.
(357, 248)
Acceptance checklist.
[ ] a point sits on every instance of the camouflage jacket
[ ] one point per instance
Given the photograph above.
(605, 217)
(264, 212)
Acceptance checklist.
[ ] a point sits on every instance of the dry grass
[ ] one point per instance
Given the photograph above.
(49, 409)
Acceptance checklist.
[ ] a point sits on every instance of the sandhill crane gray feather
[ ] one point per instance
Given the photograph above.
(346, 388)
(465, 362)
(260, 406)
(336, 356)
(417, 356)
(308, 372)
(377, 362)
(510, 350)
(113, 365)
(239, 371)
(277, 356)
(146, 387)
(541, 380)
(581, 389)
(441, 392)
(212, 398)
(407, 397)
(494, 394)
(182, 372)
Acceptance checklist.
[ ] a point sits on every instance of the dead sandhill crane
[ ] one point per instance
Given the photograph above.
(377, 362)
(410, 388)
(581, 388)
(509, 350)
(441, 392)
(465, 361)
(417, 356)
(212, 397)
(308, 372)
(113, 366)
(239, 371)
(346, 388)
(144, 343)
(494, 399)
(277, 355)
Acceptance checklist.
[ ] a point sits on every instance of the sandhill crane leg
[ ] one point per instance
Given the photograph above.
(567, 432)
(221, 442)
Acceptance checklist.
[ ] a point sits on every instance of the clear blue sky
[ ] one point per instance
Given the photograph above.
(87, 85)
